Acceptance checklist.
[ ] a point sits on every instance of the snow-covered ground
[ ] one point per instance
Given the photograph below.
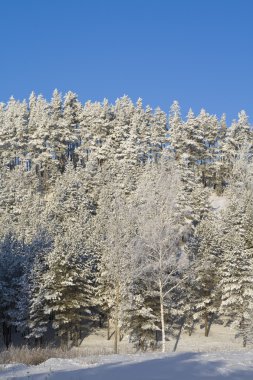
(218, 356)
(217, 202)
(220, 339)
(178, 366)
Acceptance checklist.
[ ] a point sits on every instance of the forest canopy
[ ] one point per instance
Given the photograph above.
(120, 214)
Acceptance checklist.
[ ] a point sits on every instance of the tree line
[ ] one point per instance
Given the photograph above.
(118, 215)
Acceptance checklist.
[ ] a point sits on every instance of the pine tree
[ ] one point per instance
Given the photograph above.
(12, 254)
(205, 285)
(33, 320)
(238, 136)
(236, 269)
(67, 286)
(72, 110)
(158, 134)
(209, 127)
(176, 128)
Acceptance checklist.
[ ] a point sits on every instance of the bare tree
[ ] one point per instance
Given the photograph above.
(159, 233)
(112, 234)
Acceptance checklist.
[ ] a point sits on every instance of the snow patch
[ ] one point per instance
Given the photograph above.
(217, 202)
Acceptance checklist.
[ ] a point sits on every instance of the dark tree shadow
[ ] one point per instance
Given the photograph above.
(178, 336)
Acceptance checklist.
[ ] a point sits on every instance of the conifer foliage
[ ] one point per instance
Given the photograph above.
(119, 216)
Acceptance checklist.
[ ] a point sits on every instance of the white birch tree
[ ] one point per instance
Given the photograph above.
(159, 233)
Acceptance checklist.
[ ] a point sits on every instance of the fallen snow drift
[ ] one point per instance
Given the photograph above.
(178, 366)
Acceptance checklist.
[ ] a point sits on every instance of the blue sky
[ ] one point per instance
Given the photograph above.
(199, 52)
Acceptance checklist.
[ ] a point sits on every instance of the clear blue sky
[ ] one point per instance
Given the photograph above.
(199, 52)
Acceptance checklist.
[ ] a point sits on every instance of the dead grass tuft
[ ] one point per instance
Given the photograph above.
(33, 356)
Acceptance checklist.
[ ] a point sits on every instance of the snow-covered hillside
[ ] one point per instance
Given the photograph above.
(181, 366)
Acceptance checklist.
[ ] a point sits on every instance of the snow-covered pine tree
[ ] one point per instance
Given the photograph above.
(3, 134)
(237, 136)
(96, 126)
(176, 128)
(209, 127)
(32, 320)
(68, 284)
(220, 164)
(14, 132)
(237, 260)
(158, 137)
(204, 287)
(12, 255)
(72, 110)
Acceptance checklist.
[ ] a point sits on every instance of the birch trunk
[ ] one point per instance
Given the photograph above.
(116, 321)
(162, 315)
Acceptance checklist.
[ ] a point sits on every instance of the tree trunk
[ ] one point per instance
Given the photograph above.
(206, 324)
(162, 316)
(6, 334)
(116, 320)
(108, 329)
(75, 336)
(191, 328)
(64, 341)
(116, 335)
(178, 336)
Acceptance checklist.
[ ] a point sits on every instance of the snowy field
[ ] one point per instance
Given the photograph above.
(178, 366)
(220, 339)
(219, 356)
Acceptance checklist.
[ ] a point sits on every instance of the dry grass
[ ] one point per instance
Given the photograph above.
(33, 356)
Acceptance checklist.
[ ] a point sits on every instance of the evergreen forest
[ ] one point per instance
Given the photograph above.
(124, 217)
